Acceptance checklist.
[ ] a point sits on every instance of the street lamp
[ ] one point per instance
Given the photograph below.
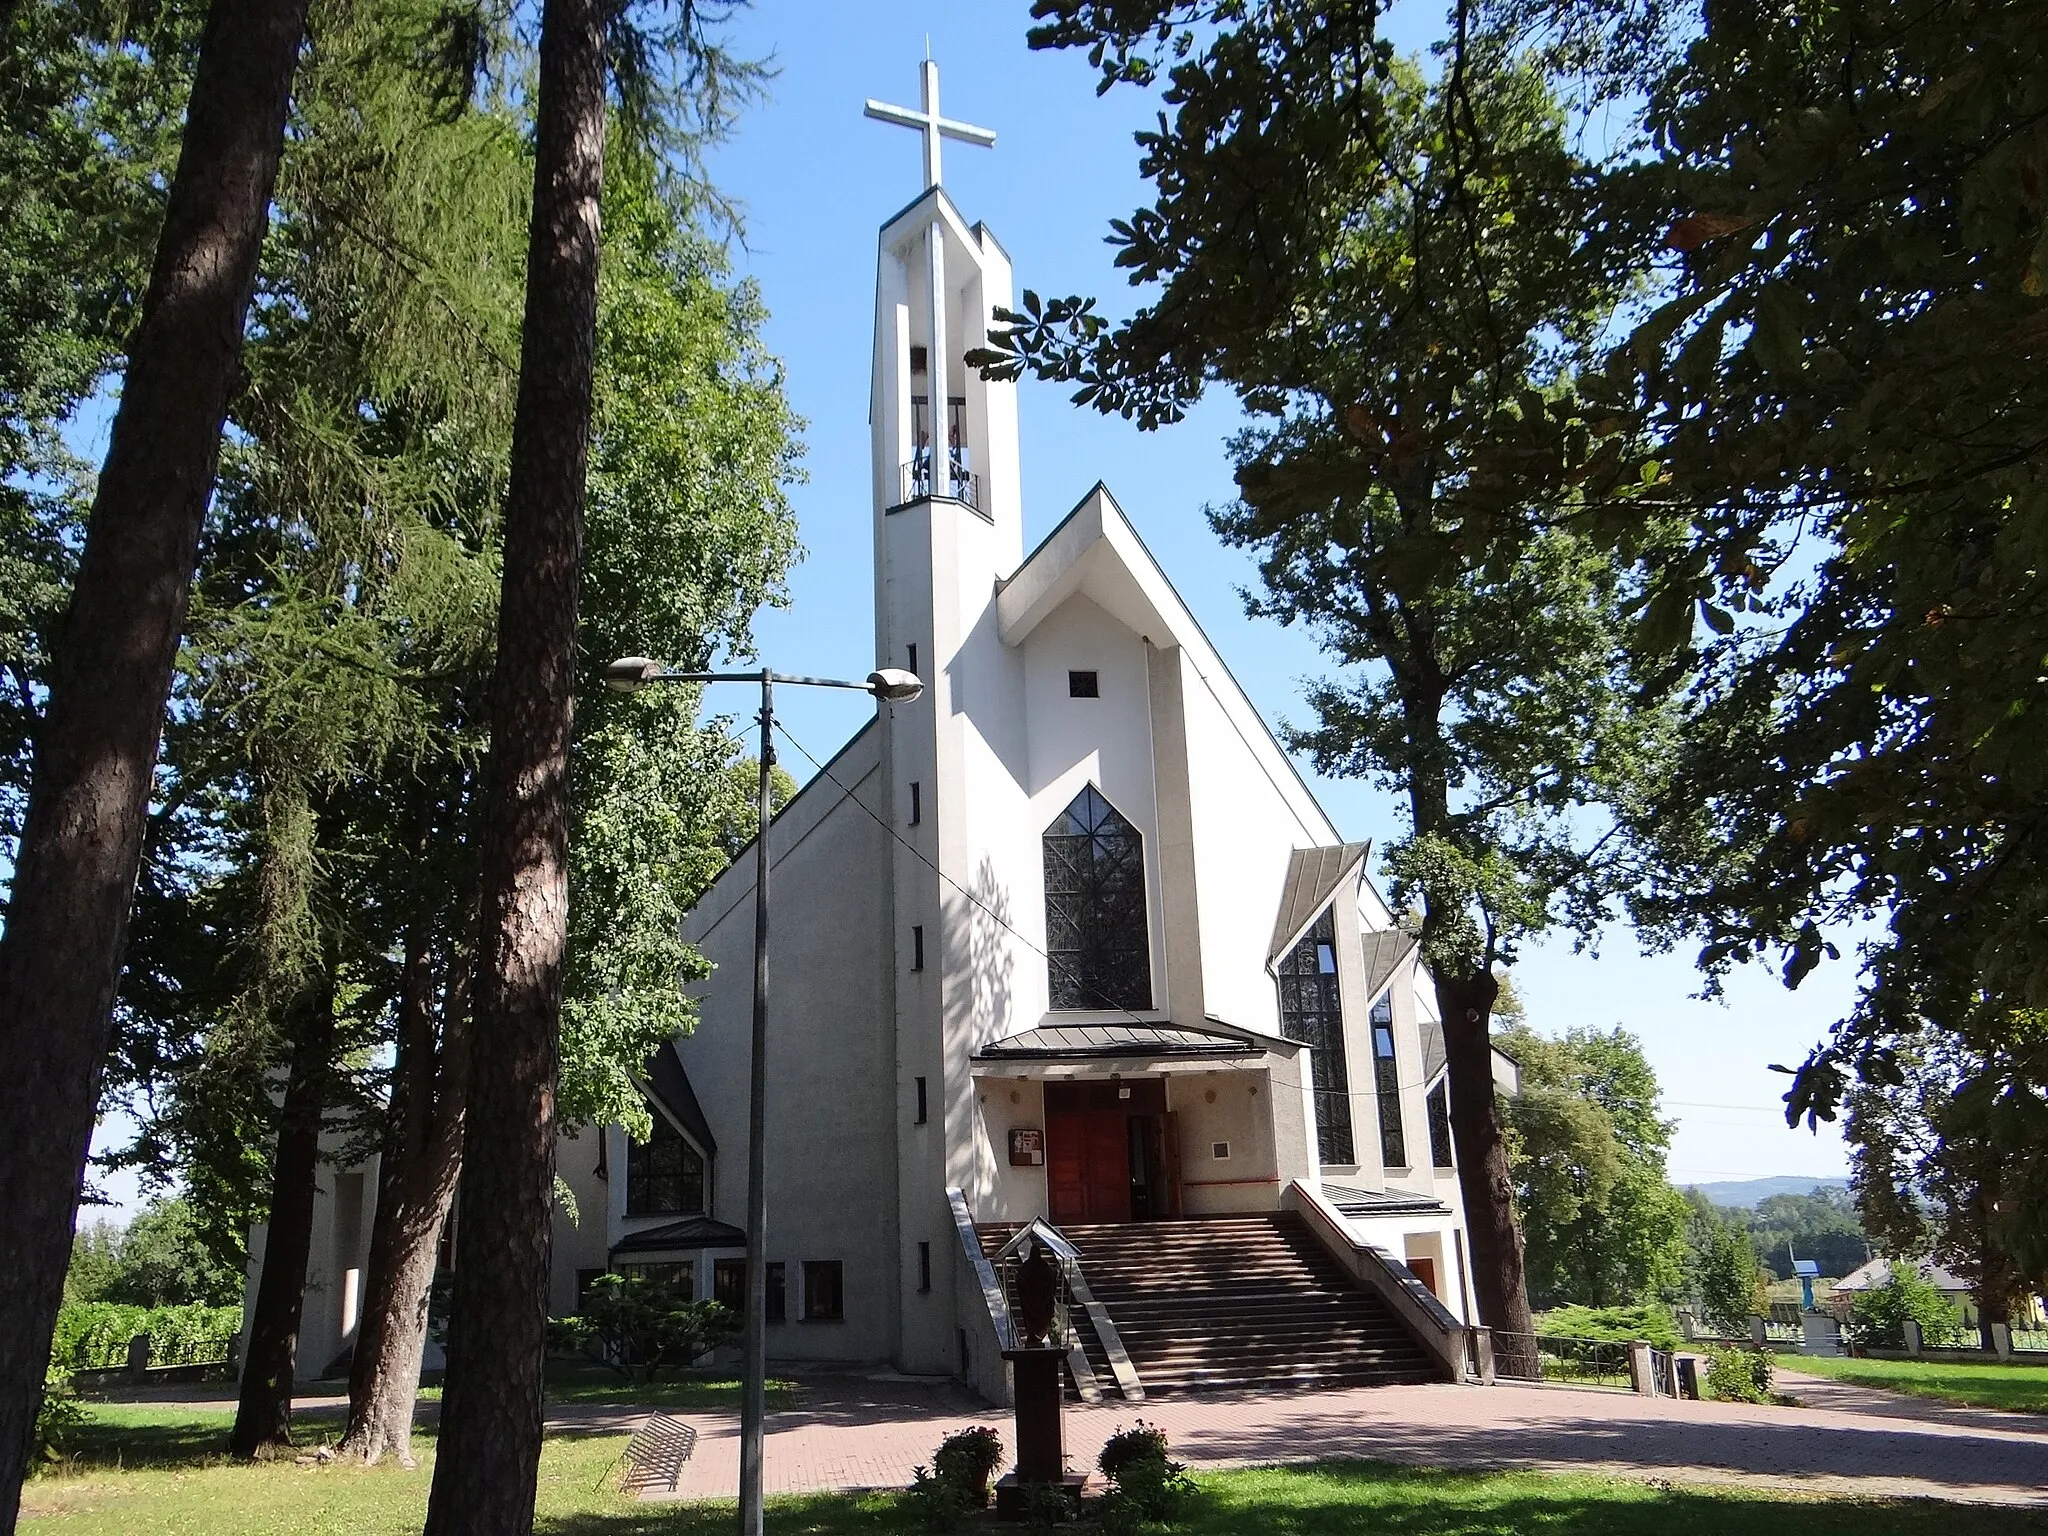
(891, 685)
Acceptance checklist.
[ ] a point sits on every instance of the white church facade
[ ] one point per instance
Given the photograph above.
(1067, 938)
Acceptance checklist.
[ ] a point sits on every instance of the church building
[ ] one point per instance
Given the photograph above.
(1066, 939)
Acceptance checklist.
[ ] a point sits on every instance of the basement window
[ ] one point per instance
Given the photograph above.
(1083, 685)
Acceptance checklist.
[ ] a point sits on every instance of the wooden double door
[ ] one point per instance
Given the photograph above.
(1112, 1152)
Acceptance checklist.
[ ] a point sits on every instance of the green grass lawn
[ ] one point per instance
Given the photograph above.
(154, 1470)
(1978, 1383)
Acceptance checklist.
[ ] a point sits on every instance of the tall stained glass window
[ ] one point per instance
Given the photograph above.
(1440, 1126)
(1098, 947)
(1386, 1073)
(1311, 1012)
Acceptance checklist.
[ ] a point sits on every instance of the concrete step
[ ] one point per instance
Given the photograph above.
(1240, 1301)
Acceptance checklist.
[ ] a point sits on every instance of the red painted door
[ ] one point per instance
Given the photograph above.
(1087, 1165)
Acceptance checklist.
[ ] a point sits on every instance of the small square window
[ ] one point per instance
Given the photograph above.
(1220, 1150)
(824, 1291)
(1082, 685)
(778, 1302)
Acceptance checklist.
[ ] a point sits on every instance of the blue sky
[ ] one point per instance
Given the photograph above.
(816, 179)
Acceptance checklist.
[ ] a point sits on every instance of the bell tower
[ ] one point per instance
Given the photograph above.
(948, 525)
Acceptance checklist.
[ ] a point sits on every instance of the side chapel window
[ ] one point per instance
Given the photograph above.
(1310, 1012)
(665, 1175)
(1098, 947)
(1387, 1078)
(1440, 1126)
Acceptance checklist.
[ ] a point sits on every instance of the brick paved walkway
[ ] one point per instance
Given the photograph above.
(853, 1433)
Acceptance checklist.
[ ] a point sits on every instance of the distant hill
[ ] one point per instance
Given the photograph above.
(1745, 1193)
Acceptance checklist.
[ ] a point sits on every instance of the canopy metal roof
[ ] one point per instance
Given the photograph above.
(692, 1232)
(1078, 1042)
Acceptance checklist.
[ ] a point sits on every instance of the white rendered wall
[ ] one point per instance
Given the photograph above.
(831, 1099)
(584, 1242)
(1248, 820)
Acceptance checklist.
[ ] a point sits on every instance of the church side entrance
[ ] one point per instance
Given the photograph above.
(1112, 1152)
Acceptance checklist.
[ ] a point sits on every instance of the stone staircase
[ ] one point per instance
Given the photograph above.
(1249, 1301)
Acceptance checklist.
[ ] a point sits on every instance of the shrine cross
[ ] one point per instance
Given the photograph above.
(928, 122)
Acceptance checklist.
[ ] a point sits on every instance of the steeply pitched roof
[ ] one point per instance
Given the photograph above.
(1313, 875)
(1507, 1072)
(1095, 551)
(1384, 952)
(1067, 1042)
(681, 1236)
(667, 1082)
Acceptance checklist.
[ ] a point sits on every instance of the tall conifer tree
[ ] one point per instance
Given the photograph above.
(81, 842)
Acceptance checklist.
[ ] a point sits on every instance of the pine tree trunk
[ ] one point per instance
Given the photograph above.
(489, 1454)
(81, 844)
(416, 1187)
(1499, 1281)
(263, 1417)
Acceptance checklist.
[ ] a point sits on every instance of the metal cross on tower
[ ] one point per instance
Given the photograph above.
(928, 122)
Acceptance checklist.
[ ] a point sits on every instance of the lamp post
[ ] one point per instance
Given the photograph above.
(890, 685)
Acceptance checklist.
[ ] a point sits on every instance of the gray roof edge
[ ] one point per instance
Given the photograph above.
(666, 1081)
(1294, 918)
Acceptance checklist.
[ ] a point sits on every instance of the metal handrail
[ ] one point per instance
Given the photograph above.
(993, 1295)
(953, 482)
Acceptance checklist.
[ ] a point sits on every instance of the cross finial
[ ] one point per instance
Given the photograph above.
(928, 122)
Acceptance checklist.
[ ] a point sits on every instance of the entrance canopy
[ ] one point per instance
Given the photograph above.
(1159, 1046)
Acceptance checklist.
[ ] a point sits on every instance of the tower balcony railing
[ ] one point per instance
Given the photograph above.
(922, 478)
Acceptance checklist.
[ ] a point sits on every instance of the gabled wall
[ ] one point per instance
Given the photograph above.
(832, 1105)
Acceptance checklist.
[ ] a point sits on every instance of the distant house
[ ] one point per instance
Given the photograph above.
(1874, 1274)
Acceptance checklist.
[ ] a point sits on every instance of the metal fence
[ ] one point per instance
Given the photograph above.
(2033, 1340)
(1577, 1362)
(1663, 1373)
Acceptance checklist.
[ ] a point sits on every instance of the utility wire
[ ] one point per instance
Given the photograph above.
(918, 853)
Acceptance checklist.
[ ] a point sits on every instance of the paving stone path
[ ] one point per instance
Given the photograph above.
(854, 1433)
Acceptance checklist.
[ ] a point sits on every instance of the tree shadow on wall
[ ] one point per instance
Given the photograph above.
(991, 952)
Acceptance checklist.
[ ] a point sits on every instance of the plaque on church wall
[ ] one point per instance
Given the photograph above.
(1027, 1148)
